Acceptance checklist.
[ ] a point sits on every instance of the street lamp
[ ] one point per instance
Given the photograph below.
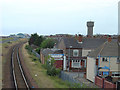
(69, 58)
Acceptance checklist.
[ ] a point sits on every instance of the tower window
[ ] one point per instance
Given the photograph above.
(104, 59)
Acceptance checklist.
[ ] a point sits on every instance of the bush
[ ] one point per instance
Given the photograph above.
(51, 69)
(34, 59)
(38, 50)
(28, 48)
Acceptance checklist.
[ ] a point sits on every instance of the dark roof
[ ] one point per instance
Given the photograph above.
(106, 49)
(46, 51)
(92, 43)
(20, 34)
(51, 51)
(70, 41)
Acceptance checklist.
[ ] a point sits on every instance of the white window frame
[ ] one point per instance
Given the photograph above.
(105, 59)
(113, 74)
(76, 61)
(75, 50)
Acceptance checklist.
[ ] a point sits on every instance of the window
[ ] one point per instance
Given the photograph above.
(118, 60)
(104, 59)
(115, 74)
(75, 63)
(75, 53)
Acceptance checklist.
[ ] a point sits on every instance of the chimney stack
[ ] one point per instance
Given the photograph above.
(109, 39)
(90, 25)
(80, 38)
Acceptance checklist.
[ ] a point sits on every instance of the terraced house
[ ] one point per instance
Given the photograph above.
(72, 50)
(104, 61)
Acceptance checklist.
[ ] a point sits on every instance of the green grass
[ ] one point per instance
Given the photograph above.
(43, 80)
(57, 82)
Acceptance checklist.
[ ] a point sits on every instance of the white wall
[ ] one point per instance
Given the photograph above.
(85, 52)
(64, 63)
(91, 69)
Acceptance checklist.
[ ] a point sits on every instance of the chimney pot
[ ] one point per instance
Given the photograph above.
(109, 39)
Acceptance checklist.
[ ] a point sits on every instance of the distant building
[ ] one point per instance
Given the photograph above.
(58, 36)
(20, 35)
(12, 35)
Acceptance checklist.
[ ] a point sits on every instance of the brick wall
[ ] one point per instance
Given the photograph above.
(99, 81)
(59, 64)
(108, 84)
(102, 83)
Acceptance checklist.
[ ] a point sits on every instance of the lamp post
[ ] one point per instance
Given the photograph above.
(69, 58)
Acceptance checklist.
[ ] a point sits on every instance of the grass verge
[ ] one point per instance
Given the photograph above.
(39, 73)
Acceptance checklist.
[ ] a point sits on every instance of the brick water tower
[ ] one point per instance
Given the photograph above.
(90, 25)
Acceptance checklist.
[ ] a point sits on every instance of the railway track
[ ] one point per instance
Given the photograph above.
(19, 78)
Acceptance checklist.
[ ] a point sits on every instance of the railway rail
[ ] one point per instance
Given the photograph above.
(19, 78)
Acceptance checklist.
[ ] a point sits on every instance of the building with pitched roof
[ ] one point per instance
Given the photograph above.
(89, 44)
(104, 61)
(57, 54)
(72, 49)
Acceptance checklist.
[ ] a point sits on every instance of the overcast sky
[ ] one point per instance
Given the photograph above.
(58, 16)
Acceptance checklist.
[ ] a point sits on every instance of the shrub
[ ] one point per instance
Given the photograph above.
(38, 50)
(51, 69)
(28, 48)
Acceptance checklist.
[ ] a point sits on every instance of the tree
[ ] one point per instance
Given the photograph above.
(48, 43)
(36, 39)
(39, 40)
(33, 38)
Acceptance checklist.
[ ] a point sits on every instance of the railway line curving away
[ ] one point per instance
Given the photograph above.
(17, 71)
(19, 76)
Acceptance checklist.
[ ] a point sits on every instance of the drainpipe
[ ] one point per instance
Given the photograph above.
(98, 64)
(109, 64)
